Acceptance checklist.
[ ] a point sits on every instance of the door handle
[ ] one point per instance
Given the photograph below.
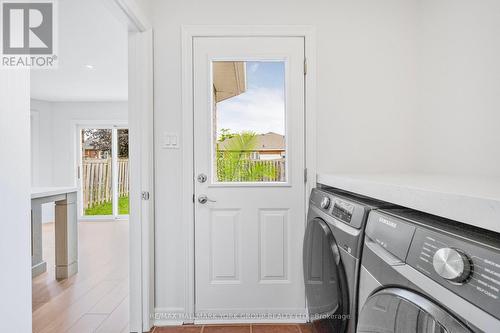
(203, 199)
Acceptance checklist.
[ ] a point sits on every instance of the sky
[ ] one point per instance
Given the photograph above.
(261, 108)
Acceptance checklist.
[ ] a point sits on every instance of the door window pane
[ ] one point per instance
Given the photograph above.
(248, 121)
(97, 171)
(123, 172)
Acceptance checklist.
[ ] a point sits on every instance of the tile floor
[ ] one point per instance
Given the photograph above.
(254, 328)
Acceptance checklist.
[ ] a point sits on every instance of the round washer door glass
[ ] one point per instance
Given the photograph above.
(399, 310)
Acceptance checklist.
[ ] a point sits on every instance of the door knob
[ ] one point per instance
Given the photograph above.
(202, 178)
(203, 199)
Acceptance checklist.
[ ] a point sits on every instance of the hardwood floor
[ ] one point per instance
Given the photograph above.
(253, 328)
(95, 299)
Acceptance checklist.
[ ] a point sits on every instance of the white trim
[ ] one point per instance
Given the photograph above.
(171, 316)
(103, 218)
(188, 33)
(128, 12)
(188, 167)
(176, 317)
(114, 169)
(140, 59)
(100, 123)
(167, 322)
(134, 14)
(141, 179)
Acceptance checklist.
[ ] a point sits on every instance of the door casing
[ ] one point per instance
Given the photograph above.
(190, 32)
(141, 145)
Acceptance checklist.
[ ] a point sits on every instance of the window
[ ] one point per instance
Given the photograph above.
(248, 115)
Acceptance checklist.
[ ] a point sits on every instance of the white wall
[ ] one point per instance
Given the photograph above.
(459, 83)
(57, 138)
(15, 227)
(42, 137)
(366, 97)
(65, 117)
(41, 151)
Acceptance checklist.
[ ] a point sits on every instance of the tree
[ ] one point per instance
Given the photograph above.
(101, 139)
(225, 133)
(123, 143)
(234, 164)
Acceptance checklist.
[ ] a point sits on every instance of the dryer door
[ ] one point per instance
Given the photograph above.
(324, 276)
(399, 310)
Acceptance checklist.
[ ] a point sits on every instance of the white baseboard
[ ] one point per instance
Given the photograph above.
(177, 317)
(169, 317)
(167, 322)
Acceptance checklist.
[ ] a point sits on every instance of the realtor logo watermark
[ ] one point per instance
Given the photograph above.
(28, 34)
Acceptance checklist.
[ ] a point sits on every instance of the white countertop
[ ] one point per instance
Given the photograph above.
(41, 192)
(475, 201)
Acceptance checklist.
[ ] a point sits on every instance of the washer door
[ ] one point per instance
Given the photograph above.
(324, 276)
(399, 310)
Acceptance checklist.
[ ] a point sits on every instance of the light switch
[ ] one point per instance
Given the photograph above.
(170, 140)
(166, 139)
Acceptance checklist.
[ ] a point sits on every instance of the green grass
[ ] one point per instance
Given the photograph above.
(107, 208)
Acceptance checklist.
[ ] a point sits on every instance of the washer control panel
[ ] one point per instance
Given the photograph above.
(452, 264)
(343, 210)
(325, 202)
(469, 269)
(338, 207)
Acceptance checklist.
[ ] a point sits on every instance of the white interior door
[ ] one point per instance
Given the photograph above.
(249, 169)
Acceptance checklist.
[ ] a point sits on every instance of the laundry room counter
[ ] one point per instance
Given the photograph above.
(474, 201)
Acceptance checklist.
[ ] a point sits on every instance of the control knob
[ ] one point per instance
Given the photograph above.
(325, 202)
(452, 264)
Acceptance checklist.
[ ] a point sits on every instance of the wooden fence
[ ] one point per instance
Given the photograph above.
(97, 181)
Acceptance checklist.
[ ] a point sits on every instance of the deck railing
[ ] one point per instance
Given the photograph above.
(249, 170)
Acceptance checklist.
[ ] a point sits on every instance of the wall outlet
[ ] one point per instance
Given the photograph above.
(170, 141)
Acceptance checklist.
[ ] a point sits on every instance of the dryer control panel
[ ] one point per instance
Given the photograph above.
(338, 207)
(467, 267)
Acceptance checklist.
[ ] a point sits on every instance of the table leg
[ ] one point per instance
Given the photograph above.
(38, 266)
(66, 237)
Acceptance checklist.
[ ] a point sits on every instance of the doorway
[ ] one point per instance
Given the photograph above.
(249, 165)
(111, 255)
(103, 172)
(141, 213)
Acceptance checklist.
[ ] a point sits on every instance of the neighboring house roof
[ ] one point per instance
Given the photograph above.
(88, 145)
(265, 142)
(229, 79)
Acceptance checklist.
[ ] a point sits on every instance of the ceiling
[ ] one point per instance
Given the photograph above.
(92, 56)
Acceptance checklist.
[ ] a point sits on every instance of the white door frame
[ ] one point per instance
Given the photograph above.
(190, 32)
(141, 150)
